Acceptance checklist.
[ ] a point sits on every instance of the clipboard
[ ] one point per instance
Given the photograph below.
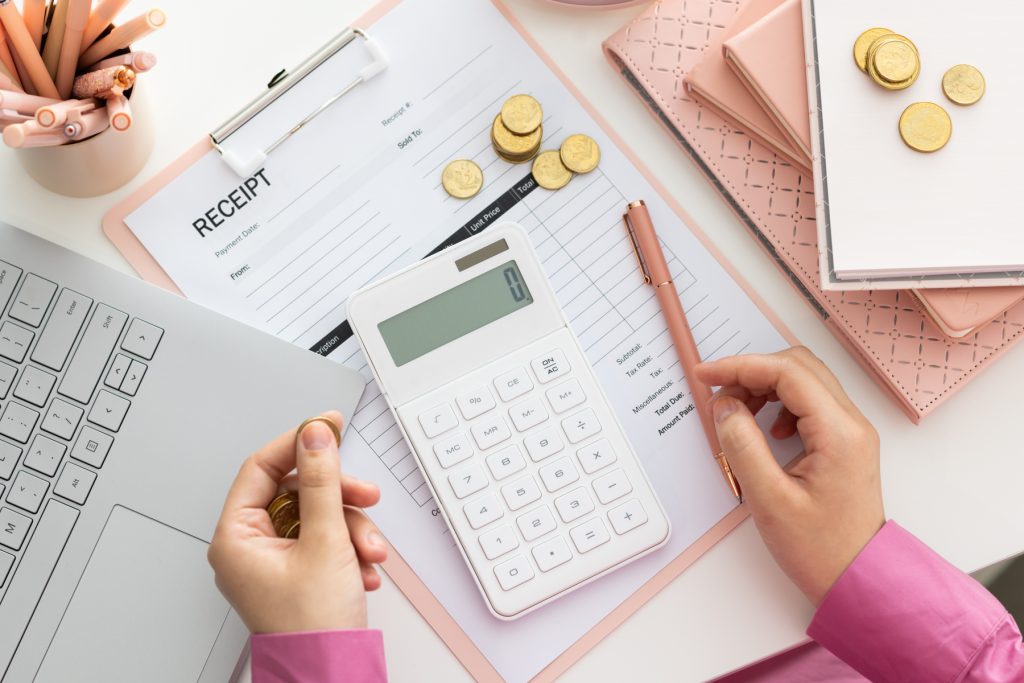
(460, 644)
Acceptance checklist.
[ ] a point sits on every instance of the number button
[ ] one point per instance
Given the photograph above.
(589, 535)
(574, 505)
(559, 474)
(483, 510)
(498, 542)
(438, 420)
(543, 444)
(453, 450)
(551, 554)
(580, 426)
(475, 403)
(513, 573)
(628, 516)
(513, 384)
(612, 486)
(490, 431)
(536, 523)
(521, 493)
(596, 456)
(467, 480)
(566, 396)
(550, 367)
(529, 413)
(506, 462)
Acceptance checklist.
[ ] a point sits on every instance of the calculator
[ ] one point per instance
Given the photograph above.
(517, 441)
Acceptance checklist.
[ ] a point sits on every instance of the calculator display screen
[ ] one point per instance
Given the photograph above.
(455, 313)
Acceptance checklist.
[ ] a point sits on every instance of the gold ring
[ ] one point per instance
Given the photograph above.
(327, 421)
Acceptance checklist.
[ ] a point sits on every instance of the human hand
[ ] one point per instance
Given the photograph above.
(318, 581)
(816, 517)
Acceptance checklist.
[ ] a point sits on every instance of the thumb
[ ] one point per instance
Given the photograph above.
(747, 451)
(320, 504)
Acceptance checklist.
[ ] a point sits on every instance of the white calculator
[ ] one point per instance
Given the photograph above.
(517, 441)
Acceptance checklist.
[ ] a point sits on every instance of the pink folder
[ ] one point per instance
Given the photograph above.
(885, 330)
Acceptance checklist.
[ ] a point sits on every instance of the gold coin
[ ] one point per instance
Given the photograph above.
(513, 159)
(580, 153)
(512, 146)
(462, 178)
(963, 84)
(863, 42)
(893, 62)
(925, 127)
(549, 171)
(521, 114)
(284, 514)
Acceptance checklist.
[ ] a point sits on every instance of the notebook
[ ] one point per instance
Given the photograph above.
(885, 330)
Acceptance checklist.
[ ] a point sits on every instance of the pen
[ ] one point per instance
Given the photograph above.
(656, 273)
(21, 43)
(140, 62)
(74, 25)
(123, 36)
(119, 112)
(55, 115)
(84, 125)
(10, 69)
(55, 37)
(28, 134)
(106, 83)
(7, 81)
(102, 15)
(22, 103)
(33, 12)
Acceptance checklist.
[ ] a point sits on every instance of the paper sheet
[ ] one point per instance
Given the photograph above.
(357, 194)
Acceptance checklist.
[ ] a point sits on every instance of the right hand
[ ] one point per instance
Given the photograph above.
(816, 517)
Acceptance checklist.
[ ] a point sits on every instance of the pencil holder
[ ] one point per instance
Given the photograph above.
(100, 164)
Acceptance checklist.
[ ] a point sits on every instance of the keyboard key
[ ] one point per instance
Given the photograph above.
(86, 367)
(596, 456)
(521, 493)
(484, 510)
(582, 425)
(35, 386)
(453, 450)
(142, 338)
(559, 474)
(536, 523)
(18, 421)
(467, 480)
(62, 329)
(543, 444)
(9, 454)
(6, 562)
(513, 573)
(550, 367)
(133, 379)
(109, 410)
(31, 302)
(574, 505)
(7, 375)
(8, 281)
(27, 491)
(628, 516)
(117, 371)
(44, 455)
(612, 486)
(62, 419)
(498, 542)
(490, 431)
(527, 414)
(589, 535)
(551, 554)
(475, 403)
(438, 420)
(92, 447)
(506, 462)
(13, 528)
(75, 483)
(566, 396)
(14, 341)
(513, 384)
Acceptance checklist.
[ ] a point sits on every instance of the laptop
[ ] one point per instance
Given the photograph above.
(125, 413)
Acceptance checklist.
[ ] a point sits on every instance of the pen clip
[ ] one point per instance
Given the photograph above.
(636, 249)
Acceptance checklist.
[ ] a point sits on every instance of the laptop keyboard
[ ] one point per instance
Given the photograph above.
(67, 381)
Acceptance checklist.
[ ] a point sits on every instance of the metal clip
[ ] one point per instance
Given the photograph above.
(636, 249)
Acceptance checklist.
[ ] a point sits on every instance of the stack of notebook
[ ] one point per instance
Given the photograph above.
(728, 81)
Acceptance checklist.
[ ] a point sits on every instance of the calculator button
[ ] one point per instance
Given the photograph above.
(438, 420)
(475, 403)
(543, 444)
(589, 535)
(521, 493)
(490, 431)
(515, 572)
(506, 462)
(453, 449)
(559, 474)
(483, 510)
(513, 384)
(536, 523)
(566, 396)
(529, 413)
(612, 486)
(499, 541)
(628, 516)
(580, 426)
(574, 505)
(596, 456)
(551, 554)
(549, 367)
(467, 480)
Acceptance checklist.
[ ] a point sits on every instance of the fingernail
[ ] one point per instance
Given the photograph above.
(723, 408)
(317, 436)
(375, 539)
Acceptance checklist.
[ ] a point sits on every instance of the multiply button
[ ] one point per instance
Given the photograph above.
(596, 456)
(513, 384)
(438, 420)
(551, 366)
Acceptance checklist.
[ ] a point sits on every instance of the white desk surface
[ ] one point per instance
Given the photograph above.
(953, 481)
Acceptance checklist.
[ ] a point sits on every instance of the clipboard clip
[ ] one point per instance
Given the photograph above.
(246, 163)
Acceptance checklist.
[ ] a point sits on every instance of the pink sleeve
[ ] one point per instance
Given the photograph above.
(355, 656)
(900, 612)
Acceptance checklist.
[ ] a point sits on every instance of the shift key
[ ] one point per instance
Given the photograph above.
(86, 369)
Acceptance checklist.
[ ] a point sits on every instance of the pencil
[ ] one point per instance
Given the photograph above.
(55, 37)
(74, 25)
(34, 12)
(123, 36)
(21, 42)
(102, 16)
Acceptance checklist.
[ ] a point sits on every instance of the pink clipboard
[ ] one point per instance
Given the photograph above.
(397, 568)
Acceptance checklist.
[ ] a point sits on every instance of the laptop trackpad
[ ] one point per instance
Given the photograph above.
(146, 608)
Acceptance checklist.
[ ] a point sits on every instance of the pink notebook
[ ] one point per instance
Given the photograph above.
(885, 330)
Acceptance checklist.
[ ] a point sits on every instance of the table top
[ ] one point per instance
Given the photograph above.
(953, 481)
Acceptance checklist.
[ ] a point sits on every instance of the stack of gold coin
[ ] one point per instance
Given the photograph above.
(284, 514)
(517, 131)
(891, 60)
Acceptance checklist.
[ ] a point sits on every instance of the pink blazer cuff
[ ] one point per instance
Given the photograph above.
(352, 656)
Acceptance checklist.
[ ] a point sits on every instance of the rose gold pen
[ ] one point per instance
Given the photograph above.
(656, 273)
